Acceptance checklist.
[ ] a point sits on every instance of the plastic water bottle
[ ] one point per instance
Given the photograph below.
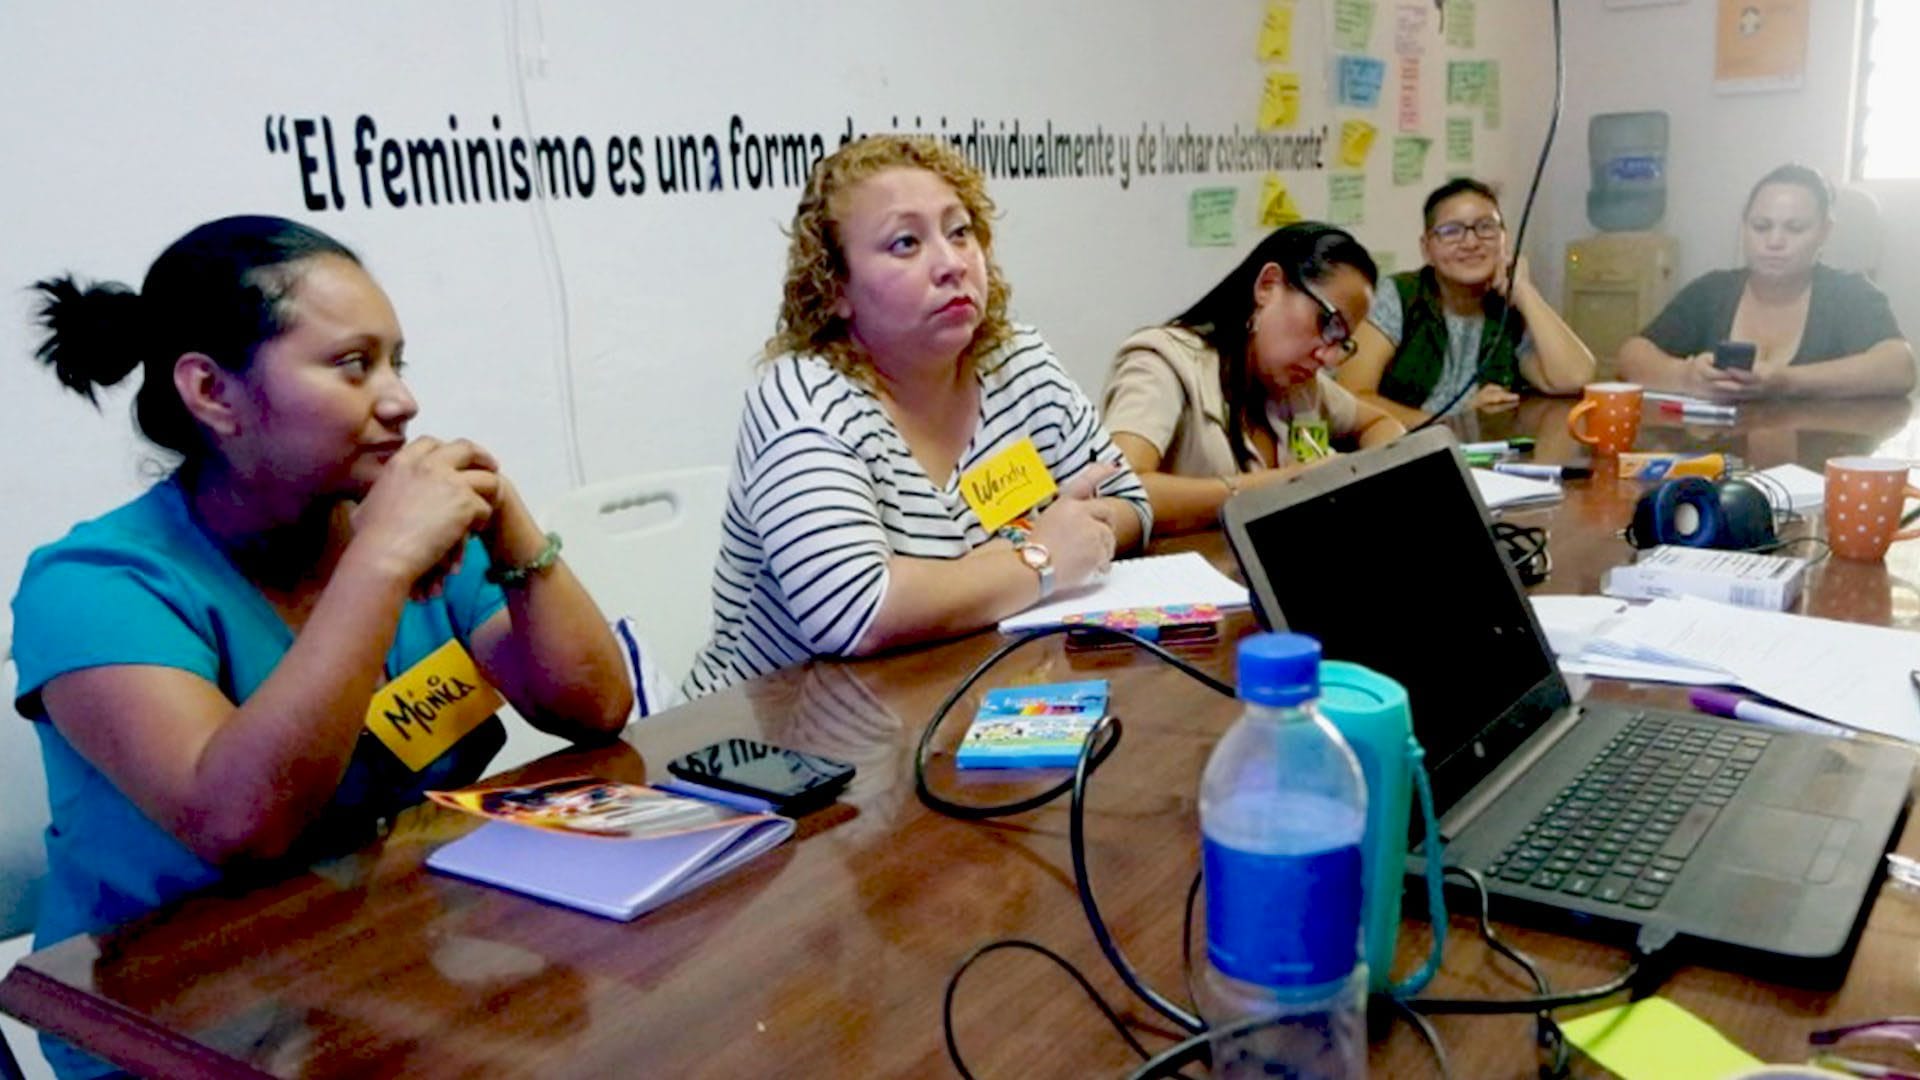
(1283, 812)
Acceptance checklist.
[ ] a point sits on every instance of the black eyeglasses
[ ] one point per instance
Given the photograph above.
(1334, 330)
(1452, 232)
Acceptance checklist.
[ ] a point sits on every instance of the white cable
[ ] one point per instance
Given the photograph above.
(555, 273)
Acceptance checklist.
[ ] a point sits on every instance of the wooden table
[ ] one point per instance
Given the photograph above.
(830, 956)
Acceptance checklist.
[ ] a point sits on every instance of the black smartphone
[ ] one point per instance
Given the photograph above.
(1733, 354)
(793, 782)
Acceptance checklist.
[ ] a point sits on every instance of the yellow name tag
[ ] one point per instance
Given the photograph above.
(1007, 485)
(431, 706)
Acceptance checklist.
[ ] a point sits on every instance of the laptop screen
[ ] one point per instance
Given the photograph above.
(1393, 567)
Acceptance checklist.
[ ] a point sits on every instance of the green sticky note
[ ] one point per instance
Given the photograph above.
(1459, 18)
(1210, 217)
(1346, 198)
(1466, 82)
(1409, 159)
(1459, 140)
(1654, 1039)
(1386, 262)
(1352, 24)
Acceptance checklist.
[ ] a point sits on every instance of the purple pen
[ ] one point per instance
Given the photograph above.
(1735, 707)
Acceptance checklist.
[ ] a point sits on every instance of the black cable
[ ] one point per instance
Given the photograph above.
(1526, 215)
(953, 984)
(966, 812)
(1425, 1027)
(1547, 1032)
(1097, 745)
(1640, 976)
(1083, 884)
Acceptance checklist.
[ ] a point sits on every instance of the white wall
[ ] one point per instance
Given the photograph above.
(131, 122)
(1662, 58)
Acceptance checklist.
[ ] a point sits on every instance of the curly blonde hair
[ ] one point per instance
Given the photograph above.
(817, 266)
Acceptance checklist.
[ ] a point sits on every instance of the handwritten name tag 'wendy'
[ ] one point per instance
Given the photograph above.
(1006, 485)
(431, 706)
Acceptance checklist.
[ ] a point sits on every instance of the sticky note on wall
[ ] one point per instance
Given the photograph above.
(1277, 207)
(1410, 159)
(1280, 102)
(1356, 138)
(1352, 23)
(1210, 217)
(1459, 140)
(1347, 198)
(1359, 80)
(1276, 32)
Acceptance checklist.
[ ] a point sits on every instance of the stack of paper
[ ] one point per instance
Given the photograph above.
(1501, 491)
(1799, 488)
(1850, 673)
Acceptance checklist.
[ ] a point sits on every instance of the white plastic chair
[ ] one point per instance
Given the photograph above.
(644, 545)
(1858, 238)
(23, 863)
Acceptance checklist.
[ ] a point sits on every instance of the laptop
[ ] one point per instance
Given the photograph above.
(1744, 839)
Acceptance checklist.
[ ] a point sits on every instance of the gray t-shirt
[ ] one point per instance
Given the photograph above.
(1463, 347)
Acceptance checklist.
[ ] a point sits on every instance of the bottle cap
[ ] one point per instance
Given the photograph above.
(1279, 669)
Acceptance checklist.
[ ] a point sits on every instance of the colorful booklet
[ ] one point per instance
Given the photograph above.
(1033, 727)
(613, 849)
(1168, 624)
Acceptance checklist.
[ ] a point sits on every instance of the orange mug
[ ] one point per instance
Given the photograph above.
(1864, 496)
(1615, 416)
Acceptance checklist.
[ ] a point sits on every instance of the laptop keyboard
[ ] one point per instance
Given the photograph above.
(1623, 829)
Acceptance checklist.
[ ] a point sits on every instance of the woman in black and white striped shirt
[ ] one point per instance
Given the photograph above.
(894, 375)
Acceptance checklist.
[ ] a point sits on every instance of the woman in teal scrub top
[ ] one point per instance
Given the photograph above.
(219, 670)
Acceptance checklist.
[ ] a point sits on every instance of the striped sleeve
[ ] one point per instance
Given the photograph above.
(1063, 423)
(813, 507)
(811, 502)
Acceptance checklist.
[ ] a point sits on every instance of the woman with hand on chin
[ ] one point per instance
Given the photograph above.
(1440, 337)
(204, 665)
(1818, 332)
(1235, 390)
(895, 403)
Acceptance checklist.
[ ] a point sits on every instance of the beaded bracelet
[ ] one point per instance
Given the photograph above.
(1015, 532)
(508, 577)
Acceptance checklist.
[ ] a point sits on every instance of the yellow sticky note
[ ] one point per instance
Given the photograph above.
(1008, 484)
(1276, 32)
(1280, 102)
(431, 706)
(1276, 204)
(1654, 1039)
(1356, 138)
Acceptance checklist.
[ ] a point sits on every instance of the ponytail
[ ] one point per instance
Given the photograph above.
(93, 333)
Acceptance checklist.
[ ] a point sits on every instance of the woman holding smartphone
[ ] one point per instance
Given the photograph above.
(1786, 326)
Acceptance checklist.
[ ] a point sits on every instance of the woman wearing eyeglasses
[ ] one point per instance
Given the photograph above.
(1234, 390)
(1438, 331)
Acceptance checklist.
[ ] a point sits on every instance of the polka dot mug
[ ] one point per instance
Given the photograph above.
(1615, 416)
(1864, 497)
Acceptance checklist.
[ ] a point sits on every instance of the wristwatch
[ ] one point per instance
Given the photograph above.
(1040, 561)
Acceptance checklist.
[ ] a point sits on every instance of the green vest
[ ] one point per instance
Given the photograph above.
(1422, 354)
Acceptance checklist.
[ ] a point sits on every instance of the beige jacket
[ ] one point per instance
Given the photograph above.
(1165, 388)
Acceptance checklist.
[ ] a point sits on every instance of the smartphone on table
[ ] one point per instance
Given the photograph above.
(1736, 355)
(795, 783)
